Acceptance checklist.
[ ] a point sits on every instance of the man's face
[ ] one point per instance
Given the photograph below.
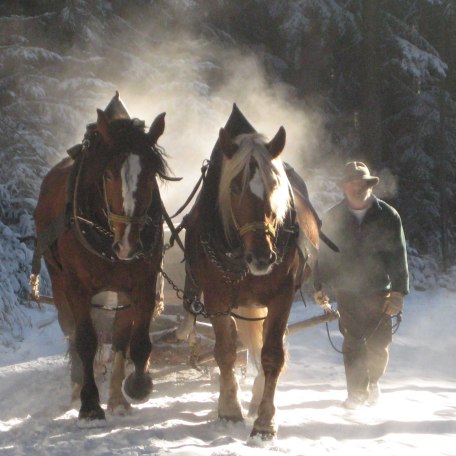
(358, 193)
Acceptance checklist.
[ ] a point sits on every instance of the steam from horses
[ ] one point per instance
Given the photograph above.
(196, 81)
(197, 108)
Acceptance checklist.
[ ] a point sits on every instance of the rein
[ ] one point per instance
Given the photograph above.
(395, 328)
(204, 168)
(168, 219)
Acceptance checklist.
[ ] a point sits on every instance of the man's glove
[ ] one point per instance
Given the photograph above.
(394, 303)
(322, 299)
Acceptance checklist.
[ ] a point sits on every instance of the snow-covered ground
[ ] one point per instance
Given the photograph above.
(416, 415)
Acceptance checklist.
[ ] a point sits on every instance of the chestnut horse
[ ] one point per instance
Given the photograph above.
(112, 240)
(243, 253)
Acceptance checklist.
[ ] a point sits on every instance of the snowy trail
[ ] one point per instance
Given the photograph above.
(417, 413)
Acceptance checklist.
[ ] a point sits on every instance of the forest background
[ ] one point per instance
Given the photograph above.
(370, 80)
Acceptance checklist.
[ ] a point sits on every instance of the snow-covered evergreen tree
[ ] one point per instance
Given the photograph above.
(61, 60)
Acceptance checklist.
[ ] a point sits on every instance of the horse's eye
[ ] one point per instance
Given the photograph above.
(109, 176)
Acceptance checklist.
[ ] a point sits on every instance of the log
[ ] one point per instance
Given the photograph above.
(300, 325)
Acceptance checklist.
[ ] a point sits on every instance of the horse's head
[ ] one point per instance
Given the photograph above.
(253, 195)
(129, 178)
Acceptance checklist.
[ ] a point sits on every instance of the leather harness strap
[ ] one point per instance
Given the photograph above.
(264, 227)
(121, 218)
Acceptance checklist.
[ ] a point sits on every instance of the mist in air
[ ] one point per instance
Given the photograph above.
(197, 88)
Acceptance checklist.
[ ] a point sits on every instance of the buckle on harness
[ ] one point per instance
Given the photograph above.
(195, 306)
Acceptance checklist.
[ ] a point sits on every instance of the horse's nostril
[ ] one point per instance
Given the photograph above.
(116, 246)
(248, 257)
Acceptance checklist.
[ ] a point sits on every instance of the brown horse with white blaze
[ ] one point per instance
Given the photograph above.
(112, 239)
(245, 259)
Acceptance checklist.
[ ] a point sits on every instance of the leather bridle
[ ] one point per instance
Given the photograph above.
(122, 218)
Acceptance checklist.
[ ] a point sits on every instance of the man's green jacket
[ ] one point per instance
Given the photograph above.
(372, 255)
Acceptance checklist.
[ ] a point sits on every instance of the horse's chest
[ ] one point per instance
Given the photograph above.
(260, 289)
(98, 274)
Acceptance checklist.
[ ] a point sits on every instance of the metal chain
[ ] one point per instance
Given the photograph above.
(194, 305)
(97, 227)
(110, 235)
(219, 265)
(179, 291)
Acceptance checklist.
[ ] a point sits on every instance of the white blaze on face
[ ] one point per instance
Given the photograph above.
(130, 175)
(256, 184)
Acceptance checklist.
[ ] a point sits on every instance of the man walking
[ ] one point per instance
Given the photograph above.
(369, 278)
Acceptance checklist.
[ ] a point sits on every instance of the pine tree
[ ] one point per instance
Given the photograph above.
(414, 119)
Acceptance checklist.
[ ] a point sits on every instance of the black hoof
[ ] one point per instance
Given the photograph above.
(137, 388)
(265, 436)
(91, 414)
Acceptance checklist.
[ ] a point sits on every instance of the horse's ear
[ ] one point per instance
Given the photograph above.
(227, 146)
(103, 127)
(157, 128)
(276, 145)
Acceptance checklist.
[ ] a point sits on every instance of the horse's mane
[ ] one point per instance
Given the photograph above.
(128, 132)
(236, 125)
(275, 181)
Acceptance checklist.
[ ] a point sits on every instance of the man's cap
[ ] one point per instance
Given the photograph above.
(356, 170)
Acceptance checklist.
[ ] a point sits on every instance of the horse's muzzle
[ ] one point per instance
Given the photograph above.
(125, 251)
(260, 264)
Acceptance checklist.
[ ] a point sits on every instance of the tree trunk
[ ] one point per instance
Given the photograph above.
(442, 151)
(370, 118)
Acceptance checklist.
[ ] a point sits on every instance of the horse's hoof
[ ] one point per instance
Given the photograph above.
(233, 418)
(89, 424)
(119, 408)
(262, 436)
(260, 441)
(137, 389)
(94, 417)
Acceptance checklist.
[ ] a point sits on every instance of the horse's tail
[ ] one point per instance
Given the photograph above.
(250, 332)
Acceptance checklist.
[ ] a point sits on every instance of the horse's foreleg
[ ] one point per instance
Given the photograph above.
(272, 359)
(257, 393)
(251, 335)
(66, 322)
(76, 371)
(86, 346)
(138, 385)
(117, 403)
(185, 328)
(229, 407)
